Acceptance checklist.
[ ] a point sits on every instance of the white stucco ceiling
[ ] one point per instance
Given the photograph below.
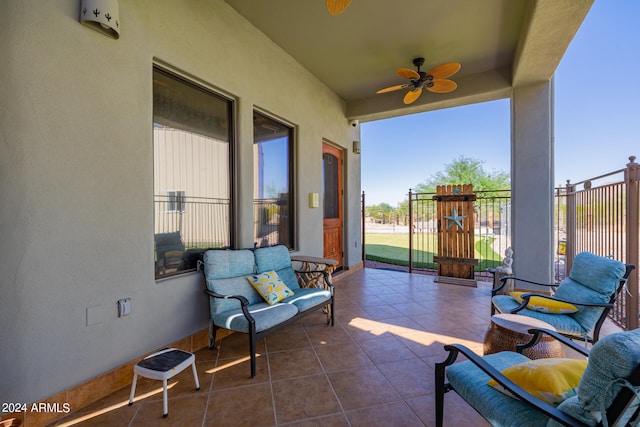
(500, 43)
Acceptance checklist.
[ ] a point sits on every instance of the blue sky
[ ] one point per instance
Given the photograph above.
(597, 117)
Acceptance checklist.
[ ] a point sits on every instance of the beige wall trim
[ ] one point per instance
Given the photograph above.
(95, 389)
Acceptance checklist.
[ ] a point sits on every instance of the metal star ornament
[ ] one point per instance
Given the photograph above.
(455, 219)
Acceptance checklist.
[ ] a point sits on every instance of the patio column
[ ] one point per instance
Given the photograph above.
(532, 181)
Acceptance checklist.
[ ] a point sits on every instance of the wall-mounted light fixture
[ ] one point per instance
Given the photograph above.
(102, 16)
(356, 147)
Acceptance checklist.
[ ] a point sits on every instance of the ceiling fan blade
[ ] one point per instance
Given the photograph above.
(336, 7)
(443, 86)
(444, 70)
(407, 73)
(412, 95)
(392, 88)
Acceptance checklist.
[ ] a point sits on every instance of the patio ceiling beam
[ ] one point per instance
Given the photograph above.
(550, 25)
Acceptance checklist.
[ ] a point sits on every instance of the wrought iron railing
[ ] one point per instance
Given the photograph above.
(271, 222)
(602, 218)
(265, 222)
(201, 221)
(185, 225)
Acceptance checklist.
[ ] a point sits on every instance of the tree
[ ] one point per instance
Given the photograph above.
(465, 170)
(383, 212)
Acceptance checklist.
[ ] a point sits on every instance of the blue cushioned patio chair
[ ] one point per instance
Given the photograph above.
(593, 285)
(608, 393)
(169, 252)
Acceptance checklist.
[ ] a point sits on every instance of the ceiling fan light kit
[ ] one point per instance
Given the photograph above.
(435, 80)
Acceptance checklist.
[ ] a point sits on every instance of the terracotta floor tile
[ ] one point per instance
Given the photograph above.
(336, 420)
(392, 414)
(237, 373)
(325, 335)
(342, 356)
(456, 411)
(237, 345)
(294, 363)
(250, 406)
(304, 397)
(287, 339)
(183, 411)
(379, 312)
(410, 378)
(386, 349)
(361, 388)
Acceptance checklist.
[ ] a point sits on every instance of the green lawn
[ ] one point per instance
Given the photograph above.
(394, 249)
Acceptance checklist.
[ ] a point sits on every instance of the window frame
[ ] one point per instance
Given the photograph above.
(292, 178)
(231, 111)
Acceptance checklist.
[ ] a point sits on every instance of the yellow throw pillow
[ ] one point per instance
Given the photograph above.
(270, 287)
(545, 305)
(552, 380)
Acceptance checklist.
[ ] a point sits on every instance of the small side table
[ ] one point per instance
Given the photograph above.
(306, 266)
(162, 366)
(508, 330)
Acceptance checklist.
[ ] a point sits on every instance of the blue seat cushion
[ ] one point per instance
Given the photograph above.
(499, 409)
(306, 298)
(564, 323)
(265, 315)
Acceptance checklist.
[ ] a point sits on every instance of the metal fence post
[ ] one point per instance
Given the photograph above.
(364, 215)
(410, 232)
(632, 182)
(571, 226)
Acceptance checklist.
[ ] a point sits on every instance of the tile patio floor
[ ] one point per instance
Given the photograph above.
(373, 368)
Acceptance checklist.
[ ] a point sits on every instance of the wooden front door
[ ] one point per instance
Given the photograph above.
(332, 197)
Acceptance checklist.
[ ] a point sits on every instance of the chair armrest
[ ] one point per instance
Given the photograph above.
(539, 332)
(524, 396)
(503, 283)
(243, 300)
(244, 303)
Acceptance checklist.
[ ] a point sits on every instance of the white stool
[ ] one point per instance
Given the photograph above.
(162, 366)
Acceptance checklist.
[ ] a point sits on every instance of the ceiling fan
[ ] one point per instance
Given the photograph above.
(434, 80)
(336, 7)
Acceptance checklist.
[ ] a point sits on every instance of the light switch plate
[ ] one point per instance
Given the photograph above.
(314, 200)
(94, 315)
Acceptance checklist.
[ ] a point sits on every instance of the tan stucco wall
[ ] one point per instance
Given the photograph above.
(76, 177)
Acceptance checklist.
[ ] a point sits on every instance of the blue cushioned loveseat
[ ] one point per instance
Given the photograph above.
(237, 306)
